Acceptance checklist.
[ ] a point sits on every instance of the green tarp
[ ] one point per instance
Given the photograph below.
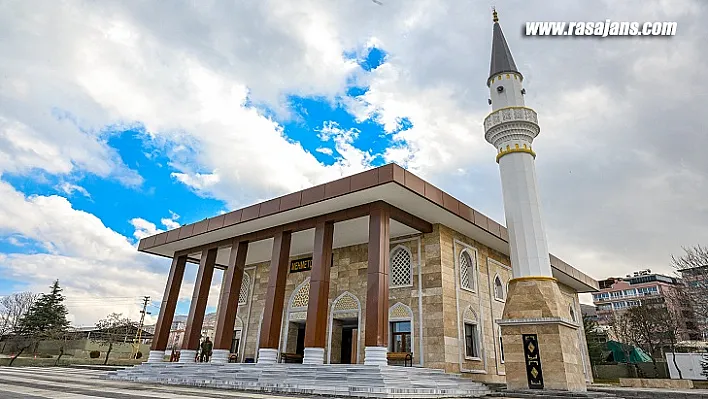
(614, 353)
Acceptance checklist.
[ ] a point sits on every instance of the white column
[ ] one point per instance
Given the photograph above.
(220, 356)
(156, 357)
(267, 356)
(187, 355)
(375, 356)
(313, 356)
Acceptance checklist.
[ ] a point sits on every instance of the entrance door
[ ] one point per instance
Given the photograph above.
(300, 347)
(346, 356)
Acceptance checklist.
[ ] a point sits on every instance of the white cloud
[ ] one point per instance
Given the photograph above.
(169, 223)
(325, 150)
(173, 215)
(15, 241)
(351, 159)
(70, 188)
(143, 228)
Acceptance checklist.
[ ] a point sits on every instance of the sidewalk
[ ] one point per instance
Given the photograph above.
(651, 392)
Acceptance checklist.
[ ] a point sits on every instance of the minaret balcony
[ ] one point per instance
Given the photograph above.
(511, 123)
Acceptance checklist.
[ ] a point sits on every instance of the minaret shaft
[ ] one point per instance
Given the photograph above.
(522, 208)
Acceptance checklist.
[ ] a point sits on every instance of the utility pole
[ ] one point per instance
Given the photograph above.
(139, 333)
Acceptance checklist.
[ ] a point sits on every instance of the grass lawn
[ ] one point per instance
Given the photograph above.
(66, 361)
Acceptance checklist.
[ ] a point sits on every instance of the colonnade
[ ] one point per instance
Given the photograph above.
(376, 319)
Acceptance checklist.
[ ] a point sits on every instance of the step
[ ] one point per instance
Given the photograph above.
(556, 394)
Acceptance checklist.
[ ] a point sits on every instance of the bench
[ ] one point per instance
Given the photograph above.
(290, 358)
(397, 357)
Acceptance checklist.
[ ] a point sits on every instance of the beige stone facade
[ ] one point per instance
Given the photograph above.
(539, 307)
(437, 298)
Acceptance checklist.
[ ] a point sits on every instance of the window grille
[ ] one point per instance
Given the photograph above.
(245, 287)
(346, 302)
(302, 298)
(401, 272)
(466, 271)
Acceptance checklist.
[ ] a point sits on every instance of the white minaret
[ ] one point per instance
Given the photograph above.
(511, 128)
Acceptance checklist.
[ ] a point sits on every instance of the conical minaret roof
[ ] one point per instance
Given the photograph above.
(502, 61)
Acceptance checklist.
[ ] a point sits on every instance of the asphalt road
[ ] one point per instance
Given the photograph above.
(68, 383)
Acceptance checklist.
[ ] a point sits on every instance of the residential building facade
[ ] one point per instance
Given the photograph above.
(618, 294)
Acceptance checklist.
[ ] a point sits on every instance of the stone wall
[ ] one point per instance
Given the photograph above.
(80, 348)
(573, 302)
(475, 305)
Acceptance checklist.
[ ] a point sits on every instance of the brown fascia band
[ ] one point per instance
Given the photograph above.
(390, 173)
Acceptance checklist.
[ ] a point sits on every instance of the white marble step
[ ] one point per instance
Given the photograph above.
(347, 380)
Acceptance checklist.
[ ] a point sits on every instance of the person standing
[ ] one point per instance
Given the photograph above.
(206, 348)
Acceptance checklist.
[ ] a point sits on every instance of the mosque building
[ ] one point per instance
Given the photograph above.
(383, 268)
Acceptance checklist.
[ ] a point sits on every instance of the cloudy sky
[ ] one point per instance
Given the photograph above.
(122, 119)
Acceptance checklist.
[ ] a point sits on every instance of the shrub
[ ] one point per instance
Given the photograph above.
(138, 355)
(95, 354)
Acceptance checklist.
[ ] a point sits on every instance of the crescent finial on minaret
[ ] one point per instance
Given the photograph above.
(495, 17)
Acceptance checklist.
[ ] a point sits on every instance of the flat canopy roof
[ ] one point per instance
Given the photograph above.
(416, 204)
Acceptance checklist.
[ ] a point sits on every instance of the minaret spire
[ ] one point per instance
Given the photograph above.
(502, 61)
(511, 128)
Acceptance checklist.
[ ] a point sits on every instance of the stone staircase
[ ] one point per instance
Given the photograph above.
(331, 380)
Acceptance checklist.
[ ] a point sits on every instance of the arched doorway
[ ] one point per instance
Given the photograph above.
(343, 343)
(235, 349)
(294, 337)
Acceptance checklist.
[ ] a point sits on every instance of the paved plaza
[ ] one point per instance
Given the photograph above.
(69, 383)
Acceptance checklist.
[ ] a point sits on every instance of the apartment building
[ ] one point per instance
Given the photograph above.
(618, 294)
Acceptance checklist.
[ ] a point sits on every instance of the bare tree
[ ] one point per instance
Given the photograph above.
(12, 308)
(644, 320)
(693, 267)
(671, 327)
(625, 333)
(113, 329)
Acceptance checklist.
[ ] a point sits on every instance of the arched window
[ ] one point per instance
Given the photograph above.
(498, 288)
(401, 268)
(400, 318)
(245, 287)
(467, 267)
(471, 334)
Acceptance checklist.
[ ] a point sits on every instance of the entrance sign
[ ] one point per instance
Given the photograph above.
(532, 357)
(301, 265)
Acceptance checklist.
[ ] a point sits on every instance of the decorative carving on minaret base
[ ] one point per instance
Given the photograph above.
(541, 342)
